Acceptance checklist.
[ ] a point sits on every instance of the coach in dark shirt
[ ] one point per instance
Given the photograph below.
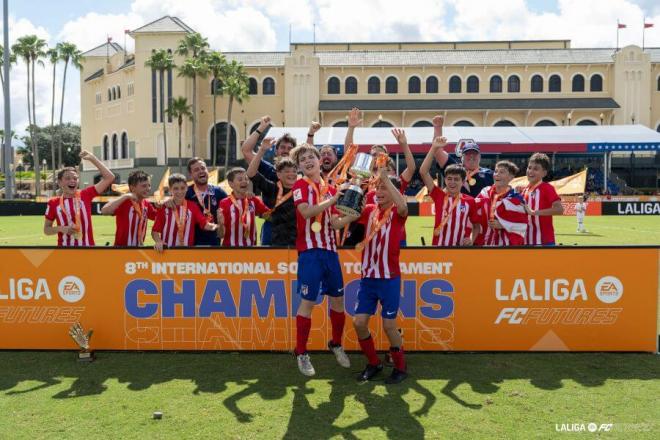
(207, 197)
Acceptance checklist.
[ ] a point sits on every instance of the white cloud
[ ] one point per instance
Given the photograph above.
(92, 29)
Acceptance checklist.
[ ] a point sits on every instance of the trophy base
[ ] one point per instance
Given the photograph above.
(86, 356)
(348, 211)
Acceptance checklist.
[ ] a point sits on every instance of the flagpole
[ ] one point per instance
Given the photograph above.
(617, 34)
(643, 32)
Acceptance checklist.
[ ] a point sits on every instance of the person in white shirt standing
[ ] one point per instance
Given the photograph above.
(580, 212)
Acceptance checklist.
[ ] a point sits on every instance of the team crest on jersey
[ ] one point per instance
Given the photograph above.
(462, 208)
(297, 194)
(251, 207)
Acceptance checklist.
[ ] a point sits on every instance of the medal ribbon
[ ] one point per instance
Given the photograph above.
(320, 194)
(77, 226)
(469, 176)
(180, 215)
(375, 226)
(339, 174)
(494, 198)
(242, 209)
(446, 214)
(528, 191)
(142, 223)
(280, 199)
(201, 198)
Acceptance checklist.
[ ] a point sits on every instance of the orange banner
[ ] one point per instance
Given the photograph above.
(231, 299)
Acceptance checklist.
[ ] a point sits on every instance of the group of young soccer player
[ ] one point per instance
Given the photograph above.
(300, 191)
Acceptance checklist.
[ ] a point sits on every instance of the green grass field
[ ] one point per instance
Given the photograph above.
(262, 395)
(605, 230)
(246, 396)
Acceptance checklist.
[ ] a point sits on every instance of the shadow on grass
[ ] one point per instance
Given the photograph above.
(272, 376)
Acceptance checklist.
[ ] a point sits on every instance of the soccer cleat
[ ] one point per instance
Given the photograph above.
(397, 376)
(305, 365)
(340, 355)
(369, 372)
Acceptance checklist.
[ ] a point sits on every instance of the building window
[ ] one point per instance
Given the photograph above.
(114, 93)
(587, 122)
(373, 85)
(106, 148)
(391, 85)
(545, 123)
(98, 97)
(130, 89)
(333, 86)
(221, 143)
(596, 83)
(537, 84)
(124, 145)
(513, 84)
(431, 84)
(578, 83)
(382, 124)
(115, 153)
(252, 86)
(504, 123)
(414, 85)
(463, 123)
(340, 124)
(109, 95)
(169, 89)
(216, 87)
(455, 84)
(554, 83)
(472, 84)
(496, 84)
(423, 124)
(118, 92)
(154, 97)
(268, 86)
(351, 86)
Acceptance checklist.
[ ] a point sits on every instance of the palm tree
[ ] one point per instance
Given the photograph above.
(193, 68)
(217, 64)
(195, 45)
(161, 61)
(234, 86)
(69, 53)
(2, 142)
(12, 60)
(179, 108)
(31, 49)
(53, 55)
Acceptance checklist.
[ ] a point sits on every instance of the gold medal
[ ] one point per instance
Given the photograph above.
(472, 181)
(316, 227)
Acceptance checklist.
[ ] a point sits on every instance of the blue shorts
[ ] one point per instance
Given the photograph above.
(375, 290)
(266, 234)
(319, 272)
(552, 243)
(403, 243)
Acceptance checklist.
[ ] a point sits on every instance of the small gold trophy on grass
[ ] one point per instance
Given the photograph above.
(82, 339)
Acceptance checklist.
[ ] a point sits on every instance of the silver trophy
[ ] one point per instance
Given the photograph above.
(82, 339)
(351, 202)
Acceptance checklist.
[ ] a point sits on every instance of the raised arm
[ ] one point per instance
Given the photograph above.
(354, 120)
(441, 155)
(308, 211)
(425, 170)
(397, 197)
(110, 207)
(313, 128)
(400, 136)
(107, 177)
(256, 160)
(248, 146)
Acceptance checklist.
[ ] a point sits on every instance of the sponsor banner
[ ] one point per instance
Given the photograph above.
(631, 208)
(593, 208)
(232, 299)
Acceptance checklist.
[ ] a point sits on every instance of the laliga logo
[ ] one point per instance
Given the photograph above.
(609, 289)
(71, 289)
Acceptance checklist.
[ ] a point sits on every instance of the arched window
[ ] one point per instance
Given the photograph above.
(657, 87)
(382, 124)
(554, 83)
(373, 85)
(216, 86)
(423, 124)
(391, 85)
(221, 128)
(587, 122)
(496, 84)
(463, 123)
(472, 84)
(340, 124)
(455, 84)
(114, 93)
(252, 86)
(333, 86)
(578, 83)
(504, 123)
(414, 85)
(268, 86)
(432, 84)
(596, 83)
(106, 148)
(115, 153)
(513, 84)
(124, 145)
(545, 123)
(118, 92)
(109, 95)
(536, 84)
(351, 86)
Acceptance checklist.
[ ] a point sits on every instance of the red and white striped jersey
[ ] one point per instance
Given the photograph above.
(166, 224)
(239, 218)
(455, 216)
(540, 230)
(303, 192)
(131, 228)
(380, 256)
(62, 211)
(370, 199)
(509, 211)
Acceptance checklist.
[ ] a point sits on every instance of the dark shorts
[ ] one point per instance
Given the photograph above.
(319, 272)
(375, 290)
